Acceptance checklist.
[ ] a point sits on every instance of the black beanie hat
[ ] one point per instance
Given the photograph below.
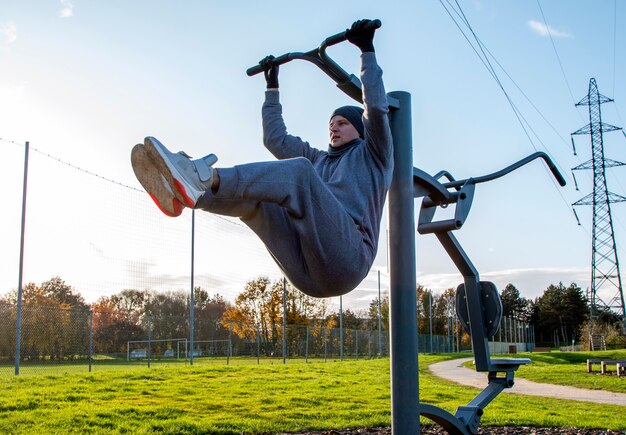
(354, 115)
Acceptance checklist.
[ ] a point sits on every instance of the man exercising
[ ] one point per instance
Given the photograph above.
(318, 212)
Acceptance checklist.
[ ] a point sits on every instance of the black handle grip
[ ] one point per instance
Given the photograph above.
(340, 37)
(257, 69)
(332, 40)
(555, 171)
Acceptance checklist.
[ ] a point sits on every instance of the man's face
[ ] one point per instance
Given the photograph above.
(341, 131)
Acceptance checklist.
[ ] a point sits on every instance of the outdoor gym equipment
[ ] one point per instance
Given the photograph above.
(478, 303)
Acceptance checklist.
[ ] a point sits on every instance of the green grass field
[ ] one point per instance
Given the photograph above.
(570, 368)
(250, 398)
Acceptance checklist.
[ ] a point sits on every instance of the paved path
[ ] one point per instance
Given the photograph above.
(453, 370)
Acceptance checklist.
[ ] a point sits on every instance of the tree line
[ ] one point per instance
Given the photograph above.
(56, 317)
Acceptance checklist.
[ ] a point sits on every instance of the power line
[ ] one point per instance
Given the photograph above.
(492, 72)
(614, 40)
(558, 58)
(94, 174)
(619, 115)
(485, 60)
(12, 141)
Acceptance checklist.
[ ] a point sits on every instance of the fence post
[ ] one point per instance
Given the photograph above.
(506, 332)
(149, 337)
(18, 326)
(284, 320)
(341, 328)
(90, 338)
(325, 344)
(430, 315)
(306, 351)
(457, 332)
(258, 344)
(380, 322)
(499, 337)
(230, 342)
(191, 298)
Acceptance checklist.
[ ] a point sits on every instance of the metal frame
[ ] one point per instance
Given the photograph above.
(480, 320)
(407, 184)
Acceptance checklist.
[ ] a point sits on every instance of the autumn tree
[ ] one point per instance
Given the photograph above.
(112, 328)
(259, 309)
(54, 320)
(256, 309)
(131, 304)
(209, 312)
(169, 314)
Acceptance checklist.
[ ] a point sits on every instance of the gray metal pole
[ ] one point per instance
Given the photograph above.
(192, 302)
(18, 326)
(448, 333)
(499, 337)
(455, 332)
(284, 321)
(341, 328)
(90, 338)
(430, 315)
(149, 337)
(506, 334)
(230, 343)
(325, 344)
(258, 344)
(306, 351)
(380, 321)
(402, 295)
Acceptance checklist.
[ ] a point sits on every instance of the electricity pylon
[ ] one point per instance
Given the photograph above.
(605, 272)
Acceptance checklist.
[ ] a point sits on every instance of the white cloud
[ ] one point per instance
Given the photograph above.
(544, 30)
(67, 9)
(530, 282)
(8, 31)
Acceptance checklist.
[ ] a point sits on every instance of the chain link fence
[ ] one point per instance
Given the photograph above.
(58, 340)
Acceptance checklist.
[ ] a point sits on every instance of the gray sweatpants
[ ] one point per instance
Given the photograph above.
(313, 239)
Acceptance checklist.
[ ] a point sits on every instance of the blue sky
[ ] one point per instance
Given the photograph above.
(85, 81)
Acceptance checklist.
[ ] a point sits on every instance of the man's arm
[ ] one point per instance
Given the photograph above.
(275, 137)
(375, 118)
(376, 114)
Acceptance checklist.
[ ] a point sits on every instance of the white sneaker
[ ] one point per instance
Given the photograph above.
(155, 184)
(172, 180)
